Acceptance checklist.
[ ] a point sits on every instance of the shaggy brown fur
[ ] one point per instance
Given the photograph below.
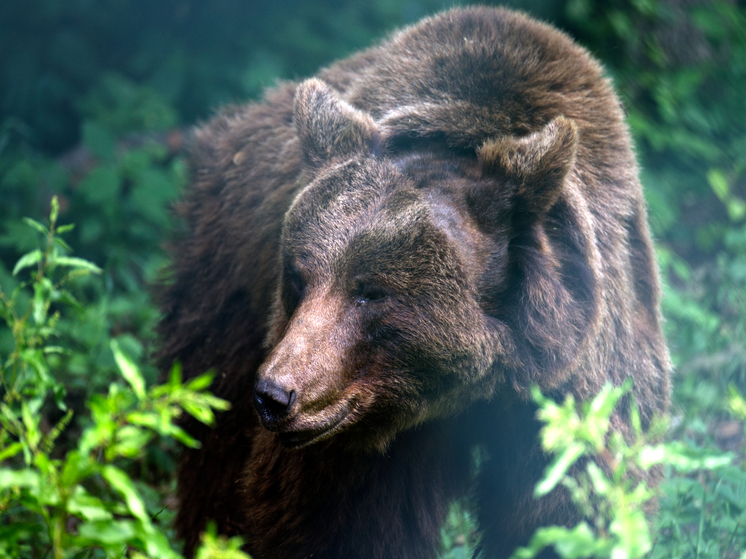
(385, 259)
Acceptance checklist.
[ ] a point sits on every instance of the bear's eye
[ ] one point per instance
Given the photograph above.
(294, 288)
(365, 292)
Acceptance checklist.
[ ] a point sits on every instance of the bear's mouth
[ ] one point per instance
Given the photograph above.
(300, 439)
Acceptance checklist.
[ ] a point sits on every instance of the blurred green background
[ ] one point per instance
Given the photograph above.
(96, 97)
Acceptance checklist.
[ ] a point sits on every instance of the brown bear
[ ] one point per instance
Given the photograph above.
(380, 262)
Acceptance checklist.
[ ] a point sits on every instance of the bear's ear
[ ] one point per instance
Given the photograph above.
(329, 127)
(536, 164)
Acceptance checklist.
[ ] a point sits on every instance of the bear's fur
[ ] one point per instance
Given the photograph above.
(379, 264)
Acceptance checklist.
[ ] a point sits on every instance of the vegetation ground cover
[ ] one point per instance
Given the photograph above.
(97, 96)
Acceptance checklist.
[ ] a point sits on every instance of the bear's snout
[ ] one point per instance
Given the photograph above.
(272, 401)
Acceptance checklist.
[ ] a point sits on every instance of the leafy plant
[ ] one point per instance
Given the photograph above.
(459, 536)
(703, 514)
(93, 87)
(68, 502)
(601, 471)
(219, 547)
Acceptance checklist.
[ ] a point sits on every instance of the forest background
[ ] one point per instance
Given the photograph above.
(96, 100)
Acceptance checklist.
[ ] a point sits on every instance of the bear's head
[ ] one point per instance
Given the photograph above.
(415, 277)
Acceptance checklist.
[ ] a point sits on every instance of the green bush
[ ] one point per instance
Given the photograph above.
(69, 502)
(598, 468)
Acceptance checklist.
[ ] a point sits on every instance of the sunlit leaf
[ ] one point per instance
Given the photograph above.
(108, 532)
(73, 262)
(76, 467)
(29, 259)
(10, 451)
(86, 506)
(10, 479)
(201, 413)
(682, 457)
(36, 225)
(183, 437)
(174, 376)
(558, 469)
(131, 441)
(129, 370)
(201, 382)
(65, 228)
(122, 483)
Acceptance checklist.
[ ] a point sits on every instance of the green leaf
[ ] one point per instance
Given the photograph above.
(73, 262)
(129, 370)
(598, 478)
(736, 209)
(77, 466)
(156, 543)
(10, 451)
(131, 441)
(55, 210)
(109, 532)
(10, 479)
(60, 242)
(736, 402)
(122, 483)
(214, 402)
(96, 436)
(44, 291)
(183, 437)
(36, 225)
(557, 470)
(199, 412)
(201, 382)
(579, 542)
(86, 506)
(719, 184)
(213, 546)
(682, 457)
(174, 377)
(146, 419)
(35, 358)
(27, 260)
(721, 187)
(631, 528)
(31, 423)
(65, 228)
(575, 543)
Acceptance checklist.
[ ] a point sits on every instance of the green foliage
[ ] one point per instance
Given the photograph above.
(681, 71)
(122, 205)
(703, 515)
(599, 470)
(220, 547)
(26, 375)
(68, 502)
(459, 535)
(602, 472)
(95, 93)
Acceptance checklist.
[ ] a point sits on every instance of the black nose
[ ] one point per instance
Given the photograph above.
(271, 400)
